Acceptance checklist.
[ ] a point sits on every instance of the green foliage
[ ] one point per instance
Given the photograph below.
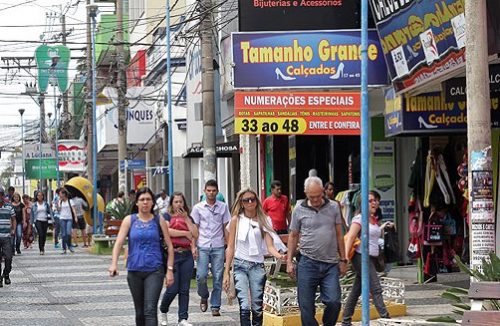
(120, 209)
(459, 296)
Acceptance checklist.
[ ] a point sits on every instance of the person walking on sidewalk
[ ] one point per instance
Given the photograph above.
(79, 205)
(145, 263)
(278, 208)
(251, 236)
(20, 218)
(211, 217)
(28, 237)
(374, 233)
(67, 216)
(317, 222)
(41, 213)
(183, 234)
(7, 229)
(55, 215)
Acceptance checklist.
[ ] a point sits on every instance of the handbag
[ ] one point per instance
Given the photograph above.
(231, 292)
(163, 245)
(391, 245)
(355, 245)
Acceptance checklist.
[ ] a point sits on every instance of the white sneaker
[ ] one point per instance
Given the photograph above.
(164, 319)
(184, 323)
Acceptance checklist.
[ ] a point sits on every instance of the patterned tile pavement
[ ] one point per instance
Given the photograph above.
(75, 289)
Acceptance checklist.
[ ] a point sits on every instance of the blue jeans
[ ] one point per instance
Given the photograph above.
(17, 238)
(249, 275)
(66, 228)
(214, 257)
(311, 274)
(146, 289)
(183, 270)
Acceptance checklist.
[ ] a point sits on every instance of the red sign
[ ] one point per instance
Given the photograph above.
(136, 69)
(286, 113)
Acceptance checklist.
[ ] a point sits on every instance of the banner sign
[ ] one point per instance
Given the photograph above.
(47, 165)
(32, 151)
(455, 88)
(285, 113)
(305, 59)
(421, 40)
(52, 63)
(430, 113)
(72, 155)
(264, 15)
(383, 177)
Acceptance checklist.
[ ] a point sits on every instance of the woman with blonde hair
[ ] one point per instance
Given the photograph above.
(251, 236)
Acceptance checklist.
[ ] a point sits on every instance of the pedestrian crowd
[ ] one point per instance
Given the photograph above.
(24, 219)
(166, 238)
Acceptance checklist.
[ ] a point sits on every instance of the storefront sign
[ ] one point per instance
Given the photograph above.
(221, 150)
(265, 15)
(305, 59)
(430, 113)
(52, 63)
(285, 113)
(455, 88)
(46, 165)
(383, 177)
(421, 40)
(72, 155)
(32, 151)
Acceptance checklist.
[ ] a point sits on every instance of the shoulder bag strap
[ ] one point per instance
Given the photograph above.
(235, 240)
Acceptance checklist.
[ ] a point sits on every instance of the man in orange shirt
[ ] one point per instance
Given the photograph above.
(278, 208)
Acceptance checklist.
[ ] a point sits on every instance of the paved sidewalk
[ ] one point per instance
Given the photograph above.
(75, 289)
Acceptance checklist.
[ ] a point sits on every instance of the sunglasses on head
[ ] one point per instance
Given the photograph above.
(249, 200)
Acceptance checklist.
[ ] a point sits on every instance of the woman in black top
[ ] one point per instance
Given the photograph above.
(20, 222)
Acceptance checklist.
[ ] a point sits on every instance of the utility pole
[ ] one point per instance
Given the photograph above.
(88, 103)
(480, 178)
(207, 91)
(65, 124)
(121, 85)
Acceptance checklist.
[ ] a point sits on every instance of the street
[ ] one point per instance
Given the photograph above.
(75, 289)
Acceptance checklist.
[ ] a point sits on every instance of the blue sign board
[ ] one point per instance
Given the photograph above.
(133, 165)
(422, 40)
(305, 59)
(429, 113)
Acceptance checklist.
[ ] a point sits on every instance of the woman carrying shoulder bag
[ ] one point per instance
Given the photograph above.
(374, 233)
(251, 236)
(67, 216)
(145, 264)
(40, 214)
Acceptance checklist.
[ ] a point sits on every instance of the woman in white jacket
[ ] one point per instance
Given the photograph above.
(251, 236)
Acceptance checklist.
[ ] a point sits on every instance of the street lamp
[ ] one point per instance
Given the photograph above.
(21, 112)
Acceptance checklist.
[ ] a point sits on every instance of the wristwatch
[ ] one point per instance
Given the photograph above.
(345, 261)
(170, 268)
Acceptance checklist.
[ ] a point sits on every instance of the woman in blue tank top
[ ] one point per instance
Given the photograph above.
(145, 263)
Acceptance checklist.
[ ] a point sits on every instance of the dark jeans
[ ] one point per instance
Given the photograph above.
(183, 270)
(311, 274)
(146, 289)
(41, 229)
(6, 250)
(57, 228)
(375, 290)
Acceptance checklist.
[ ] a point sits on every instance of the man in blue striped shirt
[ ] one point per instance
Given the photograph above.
(7, 228)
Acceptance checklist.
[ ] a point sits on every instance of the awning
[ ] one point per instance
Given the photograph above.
(221, 150)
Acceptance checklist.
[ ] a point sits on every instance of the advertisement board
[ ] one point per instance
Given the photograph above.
(430, 113)
(300, 113)
(293, 15)
(305, 59)
(72, 155)
(52, 63)
(383, 177)
(421, 40)
(47, 165)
